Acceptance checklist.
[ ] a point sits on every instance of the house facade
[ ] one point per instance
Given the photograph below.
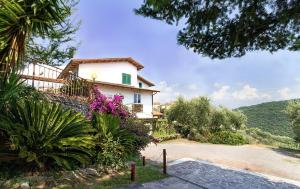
(117, 76)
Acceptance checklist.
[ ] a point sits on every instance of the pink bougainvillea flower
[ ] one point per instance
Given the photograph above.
(103, 104)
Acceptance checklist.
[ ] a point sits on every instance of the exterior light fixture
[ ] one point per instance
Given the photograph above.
(94, 76)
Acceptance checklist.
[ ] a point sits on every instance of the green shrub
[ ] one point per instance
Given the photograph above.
(111, 153)
(293, 111)
(197, 119)
(46, 134)
(164, 131)
(141, 133)
(227, 137)
(108, 131)
(183, 130)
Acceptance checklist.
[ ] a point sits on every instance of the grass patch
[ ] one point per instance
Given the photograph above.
(148, 173)
(143, 174)
(164, 136)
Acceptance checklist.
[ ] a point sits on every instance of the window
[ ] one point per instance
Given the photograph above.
(126, 79)
(140, 85)
(137, 98)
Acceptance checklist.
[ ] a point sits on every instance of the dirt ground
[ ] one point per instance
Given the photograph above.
(260, 159)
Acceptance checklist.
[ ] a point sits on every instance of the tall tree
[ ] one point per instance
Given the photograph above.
(59, 45)
(230, 28)
(21, 19)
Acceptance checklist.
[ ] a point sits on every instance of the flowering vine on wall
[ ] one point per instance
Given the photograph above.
(103, 104)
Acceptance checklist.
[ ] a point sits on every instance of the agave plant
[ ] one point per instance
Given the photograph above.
(10, 89)
(47, 134)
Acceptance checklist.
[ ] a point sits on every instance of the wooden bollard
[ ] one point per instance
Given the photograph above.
(144, 160)
(132, 171)
(164, 161)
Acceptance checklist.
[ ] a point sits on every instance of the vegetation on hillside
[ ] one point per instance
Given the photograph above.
(270, 117)
(257, 136)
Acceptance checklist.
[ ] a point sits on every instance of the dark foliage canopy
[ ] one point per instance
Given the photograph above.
(230, 28)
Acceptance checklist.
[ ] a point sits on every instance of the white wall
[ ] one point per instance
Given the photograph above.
(144, 84)
(109, 72)
(146, 97)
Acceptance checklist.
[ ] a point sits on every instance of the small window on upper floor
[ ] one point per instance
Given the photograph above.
(140, 85)
(126, 79)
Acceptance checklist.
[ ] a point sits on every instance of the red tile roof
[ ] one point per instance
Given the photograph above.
(73, 64)
(145, 81)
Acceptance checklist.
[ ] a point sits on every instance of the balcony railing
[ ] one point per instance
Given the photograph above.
(135, 108)
(47, 79)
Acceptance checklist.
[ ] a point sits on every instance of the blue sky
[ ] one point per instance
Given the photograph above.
(111, 29)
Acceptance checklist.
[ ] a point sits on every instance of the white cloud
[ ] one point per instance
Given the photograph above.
(246, 93)
(238, 95)
(221, 93)
(226, 92)
(285, 93)
(170, 91)
(167, 92)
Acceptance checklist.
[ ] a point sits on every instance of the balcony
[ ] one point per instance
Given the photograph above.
(135, 108)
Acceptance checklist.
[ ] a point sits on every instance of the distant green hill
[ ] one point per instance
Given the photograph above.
(270, 117)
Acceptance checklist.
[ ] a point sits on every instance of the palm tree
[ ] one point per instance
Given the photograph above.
(21, 19)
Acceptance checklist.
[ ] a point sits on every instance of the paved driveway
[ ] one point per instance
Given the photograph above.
(253, 158)
(200, 175)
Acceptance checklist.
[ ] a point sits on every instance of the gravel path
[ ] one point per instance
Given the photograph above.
(201, 175)
(271, 162)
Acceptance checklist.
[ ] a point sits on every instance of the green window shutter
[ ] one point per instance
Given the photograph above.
(124, 78)
(129, 79)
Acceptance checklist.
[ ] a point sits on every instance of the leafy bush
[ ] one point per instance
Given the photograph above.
(109, 131)
(162, 125)
(111, 154)
(45, 134)
(117, 136)
(228, 137)
(141, 133)
(182, 129)
(164, 130)
(198, 120)
(293, 111)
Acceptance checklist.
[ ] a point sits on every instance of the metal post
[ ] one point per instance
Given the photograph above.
(144, 160)
(133, 171)
(164, 161)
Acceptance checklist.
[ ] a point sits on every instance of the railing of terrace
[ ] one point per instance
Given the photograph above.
(47, 79)
(71, 91)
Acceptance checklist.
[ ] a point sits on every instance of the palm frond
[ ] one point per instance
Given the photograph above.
(44, 133)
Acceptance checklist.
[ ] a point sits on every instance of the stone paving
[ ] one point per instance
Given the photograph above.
(200, 175)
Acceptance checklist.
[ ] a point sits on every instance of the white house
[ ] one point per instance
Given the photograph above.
(117, 76)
